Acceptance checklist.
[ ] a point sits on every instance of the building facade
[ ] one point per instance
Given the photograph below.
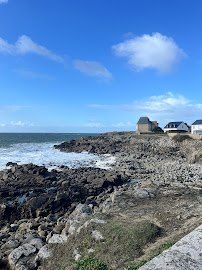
(176, 126)
(145, 125)
(196, 127)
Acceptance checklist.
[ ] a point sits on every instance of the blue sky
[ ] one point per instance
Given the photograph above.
(96, 66)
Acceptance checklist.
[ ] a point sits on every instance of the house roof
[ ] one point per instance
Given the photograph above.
(173, 123)
(144, 121)
(197, 122)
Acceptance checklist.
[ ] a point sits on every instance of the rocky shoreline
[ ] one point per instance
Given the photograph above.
(155, 179)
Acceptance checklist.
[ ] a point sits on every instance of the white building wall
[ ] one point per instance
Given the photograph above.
(182, 126)
(196, 129)
(168, 129)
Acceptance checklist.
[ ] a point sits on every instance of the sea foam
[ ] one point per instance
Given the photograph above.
(44, 154)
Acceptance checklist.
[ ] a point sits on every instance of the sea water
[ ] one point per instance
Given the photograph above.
(37, 148)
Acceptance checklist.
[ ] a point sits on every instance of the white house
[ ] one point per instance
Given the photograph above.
(196, 127)
(172, 126)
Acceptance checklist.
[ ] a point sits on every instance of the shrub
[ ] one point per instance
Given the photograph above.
(158, 130)
(181, 138)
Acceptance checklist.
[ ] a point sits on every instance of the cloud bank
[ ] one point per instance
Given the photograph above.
(154, 51)
(92, 68)
(24, 45)
(167, 107)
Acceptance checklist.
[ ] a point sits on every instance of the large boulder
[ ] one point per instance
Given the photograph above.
(20, 256)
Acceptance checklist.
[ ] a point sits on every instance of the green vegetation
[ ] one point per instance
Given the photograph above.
(127, 240)
(158, 252)
(181, 138)
(91, 264)
(123, 246)
(158, 130)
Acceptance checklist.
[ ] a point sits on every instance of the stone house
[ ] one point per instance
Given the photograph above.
(196, 127)
(145, 125)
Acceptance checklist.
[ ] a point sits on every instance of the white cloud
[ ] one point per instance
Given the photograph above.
(21, 124)
(3, 1)
(166, 104)
(154, 51)
(124, 124)
(5, 47)
(93, 124)
(25, 45)
(92, 68)
(164, 108)
(17, 124)
(2, 125)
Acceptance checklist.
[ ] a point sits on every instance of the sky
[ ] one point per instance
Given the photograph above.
(97, 66)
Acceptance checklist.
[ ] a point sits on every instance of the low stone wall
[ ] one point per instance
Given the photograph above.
(193, 136)
(185, 254)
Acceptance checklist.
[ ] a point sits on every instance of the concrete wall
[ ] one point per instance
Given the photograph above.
(193, 136)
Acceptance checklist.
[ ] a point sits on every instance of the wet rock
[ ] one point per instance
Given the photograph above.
(11, 164)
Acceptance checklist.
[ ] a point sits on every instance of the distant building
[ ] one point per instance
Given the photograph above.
(196, 127)
(176, 126)
(145, 125)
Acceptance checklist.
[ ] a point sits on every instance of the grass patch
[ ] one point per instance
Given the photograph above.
(123, 243)
(128, 240)
(91, 263)
(181, 138)
(158, 252)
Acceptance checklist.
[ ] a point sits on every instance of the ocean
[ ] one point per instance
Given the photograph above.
(37, 148)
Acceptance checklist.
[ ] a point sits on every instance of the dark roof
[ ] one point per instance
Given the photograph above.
(173, 123)
(197, 122)
(144, 121)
